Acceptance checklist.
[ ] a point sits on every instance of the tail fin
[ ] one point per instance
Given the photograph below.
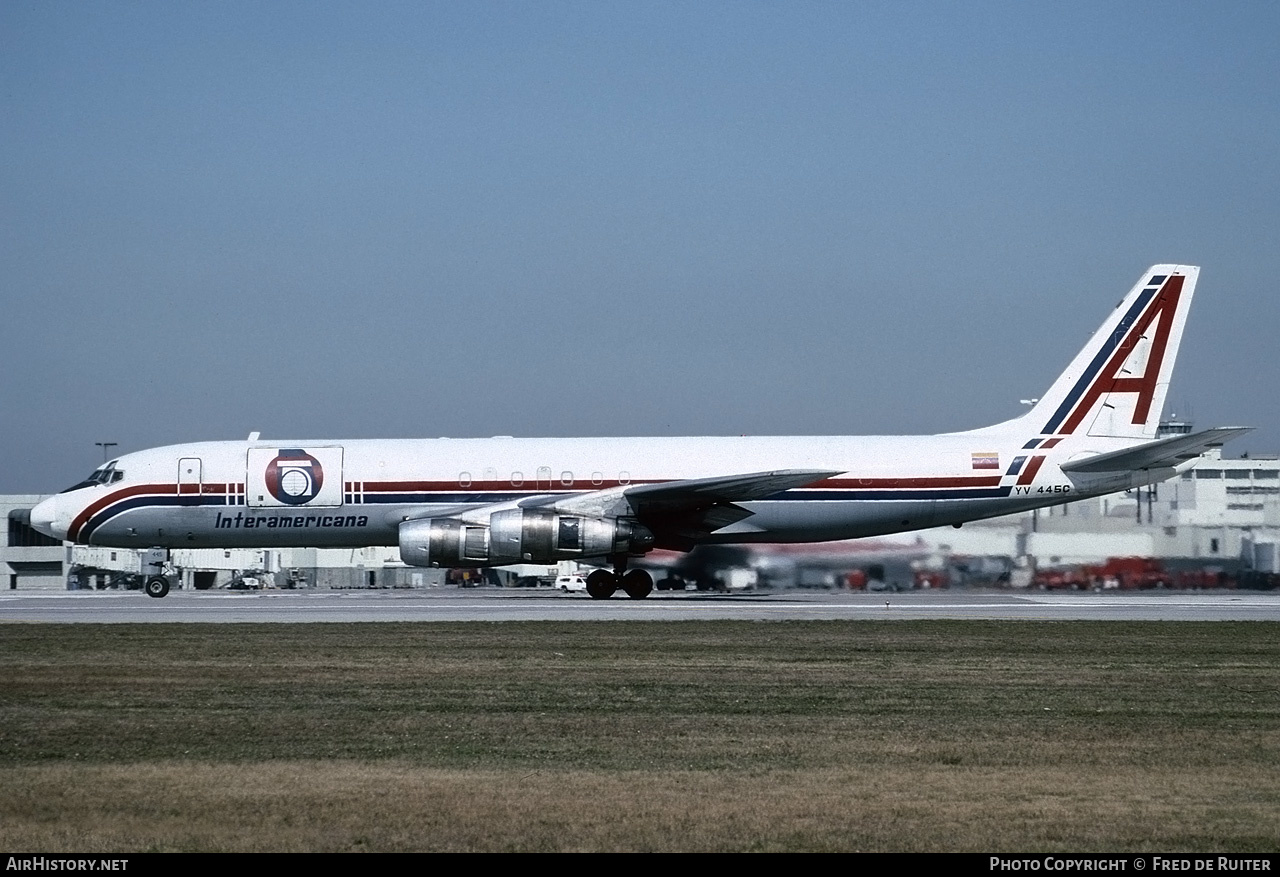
(1116, 385)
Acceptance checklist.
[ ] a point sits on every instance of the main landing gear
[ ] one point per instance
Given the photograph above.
(602, 583)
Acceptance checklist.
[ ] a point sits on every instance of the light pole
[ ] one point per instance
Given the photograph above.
(105, 446)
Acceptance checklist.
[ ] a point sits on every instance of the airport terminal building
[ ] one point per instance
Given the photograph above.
(29, 558)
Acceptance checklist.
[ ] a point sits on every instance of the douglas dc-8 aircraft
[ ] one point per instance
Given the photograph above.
(498, 501)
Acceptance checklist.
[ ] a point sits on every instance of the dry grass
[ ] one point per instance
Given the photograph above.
(344, 806)
(632, 736)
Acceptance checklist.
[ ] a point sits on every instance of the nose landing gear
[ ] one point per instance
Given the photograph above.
(154, 566)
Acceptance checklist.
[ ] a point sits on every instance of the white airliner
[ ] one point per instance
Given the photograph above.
(499, 501)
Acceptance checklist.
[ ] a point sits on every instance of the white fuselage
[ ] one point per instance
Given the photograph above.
(213, 494)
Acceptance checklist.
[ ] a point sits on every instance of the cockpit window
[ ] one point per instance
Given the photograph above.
(107, 474)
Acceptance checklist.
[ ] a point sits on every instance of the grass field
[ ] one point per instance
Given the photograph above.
(685, 736)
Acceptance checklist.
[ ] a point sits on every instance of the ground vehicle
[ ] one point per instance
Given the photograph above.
(571, 583)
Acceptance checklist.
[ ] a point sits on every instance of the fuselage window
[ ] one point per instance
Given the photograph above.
(597, 478)
(624, 477)
(464, 479)
(566, 478)
(517, 479)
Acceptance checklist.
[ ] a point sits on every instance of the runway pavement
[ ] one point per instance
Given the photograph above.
(224, 607)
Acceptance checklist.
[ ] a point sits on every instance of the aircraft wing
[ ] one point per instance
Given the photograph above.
(682, 512)
(701, 492)
(1159, 454)
(676, 496)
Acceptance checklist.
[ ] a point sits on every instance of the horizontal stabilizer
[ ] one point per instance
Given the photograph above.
(1162, 453)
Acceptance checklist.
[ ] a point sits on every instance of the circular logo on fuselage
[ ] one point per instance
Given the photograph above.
(294, 476)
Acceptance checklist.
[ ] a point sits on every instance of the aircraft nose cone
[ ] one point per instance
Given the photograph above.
(44, 517)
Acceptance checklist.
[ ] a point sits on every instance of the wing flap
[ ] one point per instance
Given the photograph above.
(1162, 453)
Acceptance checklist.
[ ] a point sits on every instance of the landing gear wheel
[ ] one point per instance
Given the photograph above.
(157, 586)
(638, 584)
(601, 584)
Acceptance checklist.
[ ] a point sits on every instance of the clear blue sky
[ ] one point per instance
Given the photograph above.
(379, 219)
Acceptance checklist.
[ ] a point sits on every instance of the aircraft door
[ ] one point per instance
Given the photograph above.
(189, 475)
(544, 477)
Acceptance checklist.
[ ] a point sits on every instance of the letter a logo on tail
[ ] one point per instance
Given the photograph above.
(1116, 386)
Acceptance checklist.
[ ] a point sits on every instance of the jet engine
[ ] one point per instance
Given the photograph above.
(519, 536)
